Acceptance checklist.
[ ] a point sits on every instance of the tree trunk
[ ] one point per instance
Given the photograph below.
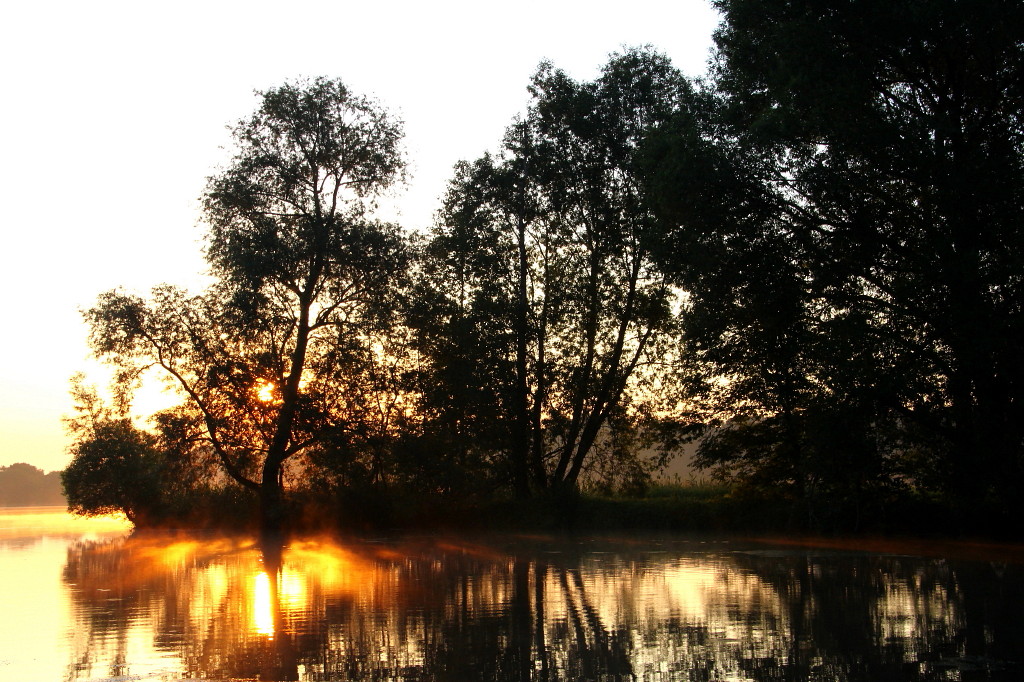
(521, 420)
(272, 509)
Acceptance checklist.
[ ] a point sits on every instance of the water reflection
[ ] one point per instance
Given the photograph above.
(26, 526)
(534, 609)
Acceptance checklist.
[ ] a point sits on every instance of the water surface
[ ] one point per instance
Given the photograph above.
(95, 603)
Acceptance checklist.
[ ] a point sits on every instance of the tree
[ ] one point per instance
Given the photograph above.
(872, 153)
(115, 466)
(302, 277)
(543, 303)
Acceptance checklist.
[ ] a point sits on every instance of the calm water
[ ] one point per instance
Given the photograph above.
(86, 601)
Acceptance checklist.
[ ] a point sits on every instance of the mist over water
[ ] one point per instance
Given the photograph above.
(100, 604)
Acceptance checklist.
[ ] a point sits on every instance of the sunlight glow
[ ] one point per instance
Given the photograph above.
(262, 605)
(334, 567)
(266, 392)
(30, 521)
(380, 600)
(292, 590)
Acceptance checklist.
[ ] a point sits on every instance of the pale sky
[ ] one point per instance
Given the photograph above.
(114, 113)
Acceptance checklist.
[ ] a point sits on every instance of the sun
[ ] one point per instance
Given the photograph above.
(266, 391)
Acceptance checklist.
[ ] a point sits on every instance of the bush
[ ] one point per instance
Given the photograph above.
(115, 467)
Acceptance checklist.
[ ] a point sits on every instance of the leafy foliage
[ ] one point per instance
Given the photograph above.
(844, 196)
(270, 358)
(540, 304)
(831, 220)
(115, 467)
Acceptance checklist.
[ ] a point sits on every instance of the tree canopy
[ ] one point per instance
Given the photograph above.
(264, 358)
(544, 308)
(844, 201)
(810, 259)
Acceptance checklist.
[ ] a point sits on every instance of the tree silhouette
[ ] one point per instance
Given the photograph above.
(544, 300)
(844, 198)
(302, 274)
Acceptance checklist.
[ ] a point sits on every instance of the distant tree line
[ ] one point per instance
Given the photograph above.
(810, 261)
(23, 485)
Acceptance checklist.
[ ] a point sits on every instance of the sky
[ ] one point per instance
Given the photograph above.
(113, 114)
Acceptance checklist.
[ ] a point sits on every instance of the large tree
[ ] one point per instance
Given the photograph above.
(847, 192)
(302, 275)
(544, 305)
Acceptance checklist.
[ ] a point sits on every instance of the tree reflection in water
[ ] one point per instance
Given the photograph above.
(222, 608)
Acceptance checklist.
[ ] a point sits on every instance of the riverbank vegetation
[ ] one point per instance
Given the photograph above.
(807, 263)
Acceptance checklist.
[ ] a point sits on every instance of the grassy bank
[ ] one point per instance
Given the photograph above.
(697, 507)
(684, 507)
(688, 507)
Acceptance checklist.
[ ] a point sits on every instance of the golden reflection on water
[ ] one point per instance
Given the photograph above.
(35, 613)
(262, 610)
(167, 607)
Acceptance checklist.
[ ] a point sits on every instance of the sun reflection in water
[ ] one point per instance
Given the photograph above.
(262, 605)
(292, 592)
(374, 609)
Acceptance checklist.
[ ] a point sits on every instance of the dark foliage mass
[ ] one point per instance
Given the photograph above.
(844, 208)
(541, 312)
(809, 261)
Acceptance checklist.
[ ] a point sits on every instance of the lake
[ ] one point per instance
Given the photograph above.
(88, 600)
